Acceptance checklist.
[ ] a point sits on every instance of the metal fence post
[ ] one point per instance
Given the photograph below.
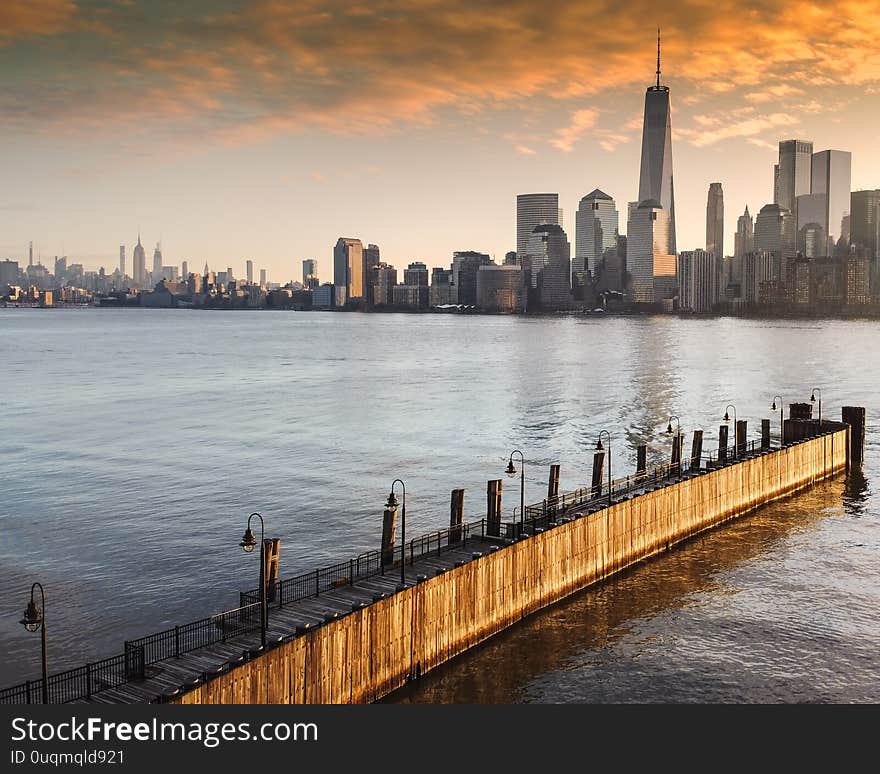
(317, 584)
(88, 680)
(177, 642)
(351, 572)
(27, 688)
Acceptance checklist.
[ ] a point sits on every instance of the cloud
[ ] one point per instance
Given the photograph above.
(273, 67)
(524, 150)
(25, 18)
(581, 120)
(749, 127)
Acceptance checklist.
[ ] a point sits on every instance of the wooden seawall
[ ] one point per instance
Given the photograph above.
(372, 651)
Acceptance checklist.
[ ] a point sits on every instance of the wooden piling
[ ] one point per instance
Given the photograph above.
(722, 443)
(765, 434)
(676, 452)
(493, 507)
(456, 515)
(389, 526)
(598, 468)
(272, 550)
(641, 459)
(696, 449)
(854, 416)
(741, 436)
(553, 483)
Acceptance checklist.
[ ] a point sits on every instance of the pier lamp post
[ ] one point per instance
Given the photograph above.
(727, 419)
(511, 471)
(599, 447)
(781, 415)
(813, 400)
(677, 435)
(35, 618)
(391, 505)
(248, 542)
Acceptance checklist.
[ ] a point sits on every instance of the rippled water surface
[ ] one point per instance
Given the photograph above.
(135, 442)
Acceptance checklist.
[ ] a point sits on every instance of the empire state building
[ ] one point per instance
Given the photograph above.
(655, 180)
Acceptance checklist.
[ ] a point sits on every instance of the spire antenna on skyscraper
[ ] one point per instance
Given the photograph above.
(658, 58)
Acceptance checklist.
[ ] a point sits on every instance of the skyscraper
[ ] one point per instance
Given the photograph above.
(715, 221)
(348, 270)
(157, 263)
(465, 265)
(648, 260)
(533, 210)
(184, 270)
(139, 264)
(30, 253)
(831, 179)
(310, 269)
(596, 228)
(547, 267)
(122, 260)
(744, 241)
(775, 234)
(249, 268)
(795, 171)
(655, 178)
(262, 278)
(370, 258)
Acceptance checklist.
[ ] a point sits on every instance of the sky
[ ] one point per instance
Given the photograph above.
(268, 129)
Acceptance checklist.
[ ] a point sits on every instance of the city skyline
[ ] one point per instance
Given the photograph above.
(189, 147)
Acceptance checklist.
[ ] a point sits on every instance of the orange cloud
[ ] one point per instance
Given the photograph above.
(277, 66)
(23, 18)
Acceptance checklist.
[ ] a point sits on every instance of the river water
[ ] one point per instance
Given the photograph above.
(135, 443)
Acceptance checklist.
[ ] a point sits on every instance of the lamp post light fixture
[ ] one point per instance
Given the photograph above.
(676, 439)
(35, 618)
(727, 419)
(813, 400)
(248, 543)
(781, 414)
(599, 447)
(392, 505)
(511, 471)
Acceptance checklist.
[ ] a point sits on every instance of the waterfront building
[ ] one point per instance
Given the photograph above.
(348, 270)
(655, 177)
(323, 296)
(864, 221)
(648, 261)
(465, 264)
(9, 274)
(757, 273)
(533, 210)
(857, 274)
(408, 296)
(596, 230)
(775, 233)
(310, 269)
(698, 280)
(831, 181)
(416, 274)
(547, 267)
(812, 241)
(249, 272)
(500, 288)
(441, 287)
(383, 278)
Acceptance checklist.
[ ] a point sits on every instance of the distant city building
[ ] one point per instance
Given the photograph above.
(865, 221)
(775, 233)
(744, 241)
(121, 260)
(249, 272)
(416, 274)
(857, 273)
(157, 262)
(547, 264)
(812, 241)
(500, 288)
(655, 177)
(263, 278)
(184, 269)
(9, 274)
(383, 278)
(323, 296)
(596, 229)
(408, 296)
(310, 269)
(348, 270)
(441, 287)
(465, 264)
(510, 258)
(648, 260)
(715, 221)
(758, 271)
(794, 177)
(60, 269)
(698, 280)
(533, 210)
(831, 179)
